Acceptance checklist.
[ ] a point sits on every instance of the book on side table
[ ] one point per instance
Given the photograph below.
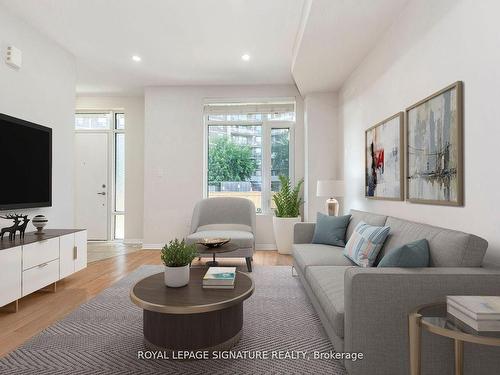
(219, 278)
(481, 313)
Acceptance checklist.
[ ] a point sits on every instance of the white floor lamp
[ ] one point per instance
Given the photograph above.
(330, 189)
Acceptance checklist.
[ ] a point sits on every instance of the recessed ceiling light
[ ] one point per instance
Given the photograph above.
(245, 57)
(136, 58)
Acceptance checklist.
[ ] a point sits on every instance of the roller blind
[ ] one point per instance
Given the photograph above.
(248, 108)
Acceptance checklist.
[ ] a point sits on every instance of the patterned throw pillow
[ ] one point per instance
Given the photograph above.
(365, 244)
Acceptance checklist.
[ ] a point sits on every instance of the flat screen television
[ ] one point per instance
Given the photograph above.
(26, 161)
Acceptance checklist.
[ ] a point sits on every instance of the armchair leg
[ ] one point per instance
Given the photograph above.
(249, 263)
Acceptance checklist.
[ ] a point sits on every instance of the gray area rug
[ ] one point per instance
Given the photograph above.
(104, 335)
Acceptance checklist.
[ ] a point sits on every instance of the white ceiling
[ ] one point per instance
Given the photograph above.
(200, 42)
(335, 39)
(181, 42)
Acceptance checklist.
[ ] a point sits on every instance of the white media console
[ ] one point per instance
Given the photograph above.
(39, 261)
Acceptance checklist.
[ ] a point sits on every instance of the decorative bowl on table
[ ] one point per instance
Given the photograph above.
(213, 242)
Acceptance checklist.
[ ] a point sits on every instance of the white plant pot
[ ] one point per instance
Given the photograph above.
(283, 233)
(176, 277)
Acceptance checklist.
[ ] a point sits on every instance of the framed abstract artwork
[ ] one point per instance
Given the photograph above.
(384, 168)
(434, 148)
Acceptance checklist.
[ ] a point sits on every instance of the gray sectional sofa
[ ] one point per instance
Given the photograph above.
(366, 309)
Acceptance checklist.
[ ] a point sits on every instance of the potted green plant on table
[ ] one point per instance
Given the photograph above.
(287, 213)
(177, 256)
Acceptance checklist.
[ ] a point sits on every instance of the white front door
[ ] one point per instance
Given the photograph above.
(91, 191)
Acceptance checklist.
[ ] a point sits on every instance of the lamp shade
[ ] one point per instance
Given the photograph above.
(330, 188)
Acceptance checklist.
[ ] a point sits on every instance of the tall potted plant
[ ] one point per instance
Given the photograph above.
(287, 213)
(177, 256)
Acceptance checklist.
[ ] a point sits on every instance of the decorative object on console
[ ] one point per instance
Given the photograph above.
(39, 221)
(287, 213)
(365, 244)
(177, 257)
(22, 227)
(434, 151)
(330, 189)
(384, 168)
(17, 226)
(13, 228)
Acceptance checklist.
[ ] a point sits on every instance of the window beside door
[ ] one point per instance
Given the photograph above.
(119, 175)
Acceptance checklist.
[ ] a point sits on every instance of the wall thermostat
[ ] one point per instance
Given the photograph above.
(14, 57)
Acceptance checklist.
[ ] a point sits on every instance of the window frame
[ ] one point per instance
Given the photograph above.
(112, 132)
(115, 212)
(267, 126)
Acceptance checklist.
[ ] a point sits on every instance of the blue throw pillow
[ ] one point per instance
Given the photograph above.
(330, 230)
(365, 244)
(413, 254)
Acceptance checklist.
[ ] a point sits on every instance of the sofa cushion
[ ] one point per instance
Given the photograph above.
(448, 248)
(330, 230)
(366, 217)
(413, 254)
(306, 255)
(365, 244)
(327, 284)
(240, 238)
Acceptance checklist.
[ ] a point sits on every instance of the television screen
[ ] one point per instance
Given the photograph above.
(26, 160)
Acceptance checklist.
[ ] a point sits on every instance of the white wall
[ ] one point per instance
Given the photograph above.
(42, 91)
(323, 147)
(433, 44)
(133, 108)
(173, 155)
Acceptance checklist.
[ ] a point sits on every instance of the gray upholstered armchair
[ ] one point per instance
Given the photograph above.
(226, 217)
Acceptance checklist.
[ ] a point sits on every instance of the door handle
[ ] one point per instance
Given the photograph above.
(102, 193)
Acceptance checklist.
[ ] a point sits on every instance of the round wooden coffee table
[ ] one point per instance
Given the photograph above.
(190, 317)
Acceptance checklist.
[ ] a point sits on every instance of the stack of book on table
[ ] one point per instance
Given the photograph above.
(219, 278)
(481, 313)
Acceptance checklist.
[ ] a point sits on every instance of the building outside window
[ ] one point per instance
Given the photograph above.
(248, 147)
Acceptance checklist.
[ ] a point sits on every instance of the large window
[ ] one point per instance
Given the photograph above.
(246, 152)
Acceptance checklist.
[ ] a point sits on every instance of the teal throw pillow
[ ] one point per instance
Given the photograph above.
(413, 254)
(330, 230)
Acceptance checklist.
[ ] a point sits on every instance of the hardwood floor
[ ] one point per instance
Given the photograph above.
(41, 309)
(99, 250)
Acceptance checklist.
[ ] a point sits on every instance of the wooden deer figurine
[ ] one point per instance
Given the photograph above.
(12, 229)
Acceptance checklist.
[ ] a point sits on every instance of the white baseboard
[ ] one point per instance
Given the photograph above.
(132, 241)
(265, 246)
(152, 246)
